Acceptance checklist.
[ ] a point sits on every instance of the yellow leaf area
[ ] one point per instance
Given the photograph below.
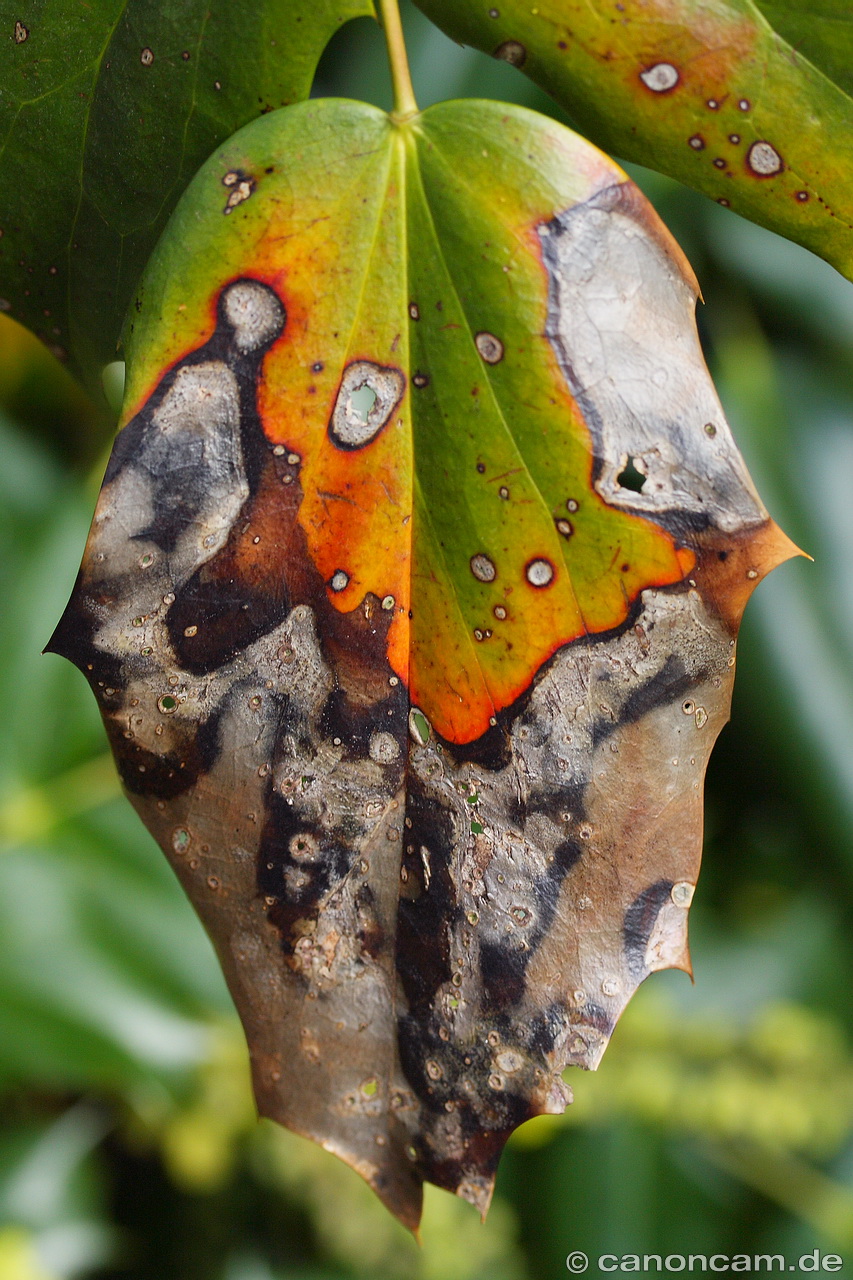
(705, 44)
(469, 515)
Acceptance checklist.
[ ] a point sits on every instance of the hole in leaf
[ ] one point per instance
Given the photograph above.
(631, 478)
(361, 403)
(419, 726)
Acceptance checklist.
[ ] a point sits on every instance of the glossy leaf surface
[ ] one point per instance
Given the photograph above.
(747, 102)
(106, 111)
(410, 603)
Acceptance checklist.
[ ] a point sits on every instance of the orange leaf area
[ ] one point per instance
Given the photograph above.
(470, 624)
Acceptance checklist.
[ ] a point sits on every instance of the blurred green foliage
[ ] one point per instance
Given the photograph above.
(722, 1116)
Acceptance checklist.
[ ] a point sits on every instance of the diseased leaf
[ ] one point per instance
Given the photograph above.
(106, 110)
(410, 604)
(747, 102)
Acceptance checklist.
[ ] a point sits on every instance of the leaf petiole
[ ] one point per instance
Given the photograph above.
(404, 94)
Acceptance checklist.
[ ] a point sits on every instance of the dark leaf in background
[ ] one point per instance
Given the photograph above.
(106, 111)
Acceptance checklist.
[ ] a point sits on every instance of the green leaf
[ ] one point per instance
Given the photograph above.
(820, 30)
(106, 111)
(423, 504)
(748, 103)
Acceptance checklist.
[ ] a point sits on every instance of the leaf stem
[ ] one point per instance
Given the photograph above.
(404, 94)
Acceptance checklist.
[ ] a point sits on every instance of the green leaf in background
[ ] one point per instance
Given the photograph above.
(106, 111)
(747, 103)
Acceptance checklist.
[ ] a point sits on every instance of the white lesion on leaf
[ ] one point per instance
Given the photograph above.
(621, 323)
(367, 398)
(240, 185)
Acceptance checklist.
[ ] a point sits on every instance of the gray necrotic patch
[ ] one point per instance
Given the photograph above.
(428, 903)
(368, 396)
(184, 459)
(640, 921)
(664, 688)
(298, 864)
(620, 322)
(504, 958)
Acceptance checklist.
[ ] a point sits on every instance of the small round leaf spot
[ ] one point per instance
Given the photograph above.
(661, 77)
(482, 568)
(489, 347)
(764, 160)
(383, 748)
(539, 573)
(181, 839)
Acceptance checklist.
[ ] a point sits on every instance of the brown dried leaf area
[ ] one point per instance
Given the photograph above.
(419, 935)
